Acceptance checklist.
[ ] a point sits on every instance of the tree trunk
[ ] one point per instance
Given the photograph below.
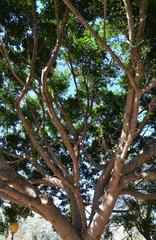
(101, 217)
(58, 221)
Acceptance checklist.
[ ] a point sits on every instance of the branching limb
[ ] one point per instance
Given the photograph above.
(101, 42)
(49, 181)
(53, 56)
(151, 108)
(59, 126)
(130, 122)
(44, 207)
(100, 186)
(12, 195)
(148, 151)
(126, 179)
(133, 98)
(139, 195)
(127, 117)
(37, 146)
(149, 87)
(15, 180)
(55, 158)
(130, 20)
(142, 17)
(19, 158)
(64, 113)
(74, 78)
(26, 123)
(34, 141)
(134, 46)
(32, 63)
(51, 109)
(64, 136)
(134, 117)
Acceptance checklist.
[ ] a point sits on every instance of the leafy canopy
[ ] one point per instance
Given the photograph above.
(65, 126)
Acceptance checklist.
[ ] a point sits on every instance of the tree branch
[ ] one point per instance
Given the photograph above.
(129, 20)
(55, 158)
(134, 47)
(149, 87)
(143, 9)
(102, 43)
(127, 117)
(25, 122)
(104, 17)
(101, 184)
(139, 195)
(16, 197)
(151, 108)
(36, 145)
(50, 108)
(15, 180)
(64, 113)
(134, 118)
(60, 128)
(49, 181)
(53, 56)
(70, 65)
(148, 151)
(20, 158)
(126, 179)
(44, 207)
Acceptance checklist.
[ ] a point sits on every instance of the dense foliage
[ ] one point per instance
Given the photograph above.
(77, 113)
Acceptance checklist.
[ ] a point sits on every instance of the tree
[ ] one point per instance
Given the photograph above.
(61, 145)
